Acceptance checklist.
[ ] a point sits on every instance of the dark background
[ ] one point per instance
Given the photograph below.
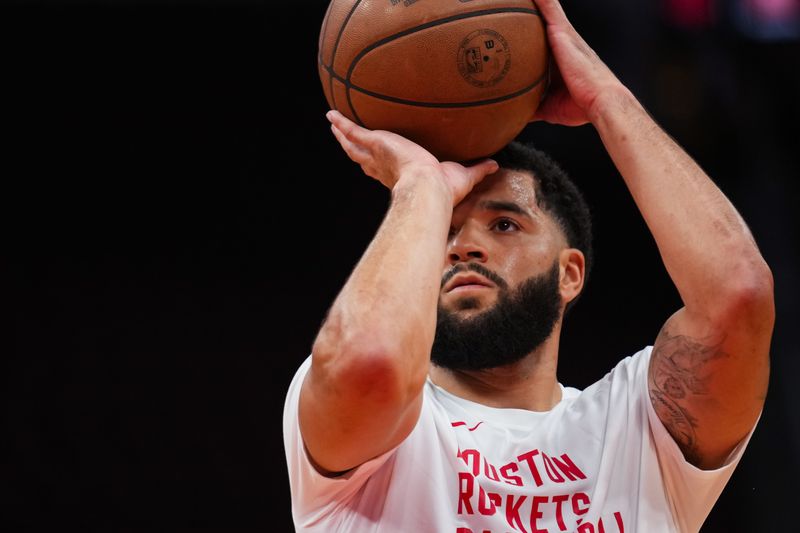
(177, 218)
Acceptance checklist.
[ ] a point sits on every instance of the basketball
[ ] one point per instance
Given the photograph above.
(461, 78)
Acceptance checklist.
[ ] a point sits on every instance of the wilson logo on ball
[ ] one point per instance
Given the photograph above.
(484, 58)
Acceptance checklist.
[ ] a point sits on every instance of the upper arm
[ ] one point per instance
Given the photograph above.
(708, 375)
(351, 414)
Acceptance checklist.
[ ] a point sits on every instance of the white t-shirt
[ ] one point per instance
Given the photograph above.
(599, 461)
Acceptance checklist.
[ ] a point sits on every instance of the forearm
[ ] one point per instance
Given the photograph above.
(386, 312)
(704, 242)
(710, 364)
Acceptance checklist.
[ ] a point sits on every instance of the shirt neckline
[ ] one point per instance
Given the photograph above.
(509, 414)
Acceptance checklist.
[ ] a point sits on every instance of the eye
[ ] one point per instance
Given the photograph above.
(505, 225)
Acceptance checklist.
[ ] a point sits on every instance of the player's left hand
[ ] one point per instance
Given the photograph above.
(580, 81)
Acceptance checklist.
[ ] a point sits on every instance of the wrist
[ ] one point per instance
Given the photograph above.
(427, 181)
(613, 101)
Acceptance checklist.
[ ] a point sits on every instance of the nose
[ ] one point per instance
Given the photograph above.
(465, 246)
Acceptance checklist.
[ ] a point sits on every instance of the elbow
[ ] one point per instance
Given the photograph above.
(367, 367)
(750, 296)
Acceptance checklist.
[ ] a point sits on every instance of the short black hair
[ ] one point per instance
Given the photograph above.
(556, 194)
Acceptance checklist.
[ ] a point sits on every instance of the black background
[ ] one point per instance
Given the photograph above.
(177, 218)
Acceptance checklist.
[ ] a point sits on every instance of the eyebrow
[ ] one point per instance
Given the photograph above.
(511, 207)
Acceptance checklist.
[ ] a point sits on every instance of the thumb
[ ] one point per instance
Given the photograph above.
(480, 170)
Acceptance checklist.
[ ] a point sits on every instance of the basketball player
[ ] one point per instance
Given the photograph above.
(430, 402)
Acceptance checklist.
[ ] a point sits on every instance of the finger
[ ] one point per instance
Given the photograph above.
(553, 91)
(350, 129)
(353, 151)
(552, 11)
(480, 170)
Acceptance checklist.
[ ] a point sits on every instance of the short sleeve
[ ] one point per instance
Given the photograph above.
(314, 496)
(691, 491)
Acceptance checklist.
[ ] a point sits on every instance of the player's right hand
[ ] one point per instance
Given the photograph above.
(390, 158)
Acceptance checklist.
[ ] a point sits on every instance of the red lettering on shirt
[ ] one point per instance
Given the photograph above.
(558, 500)
(488, 502)
(476, 460)
(620, 525)
(568, 468)
(583, 498)
(536, 514)
(551, 470)
(528, 458)
(490, 497)
(508, 478)
(490, 471)
(466, 486)
(460, 423)
(512, 511)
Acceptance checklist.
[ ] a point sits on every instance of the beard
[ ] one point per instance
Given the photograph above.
(518, 323)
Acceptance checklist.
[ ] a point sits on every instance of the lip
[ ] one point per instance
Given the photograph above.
(468, 282)
(470, 287)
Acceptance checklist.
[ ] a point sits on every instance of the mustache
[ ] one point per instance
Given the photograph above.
(474, 267)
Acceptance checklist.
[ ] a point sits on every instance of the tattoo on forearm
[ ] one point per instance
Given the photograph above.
(678, 371)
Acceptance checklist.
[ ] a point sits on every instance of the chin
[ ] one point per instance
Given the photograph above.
(469, 306)
(467, 302)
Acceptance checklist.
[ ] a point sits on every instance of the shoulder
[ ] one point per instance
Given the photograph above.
(628, 376)
(615, 401)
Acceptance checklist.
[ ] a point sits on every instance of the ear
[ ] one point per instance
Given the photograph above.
(572, 266)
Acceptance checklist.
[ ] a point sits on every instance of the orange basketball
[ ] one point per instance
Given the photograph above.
(460, 77)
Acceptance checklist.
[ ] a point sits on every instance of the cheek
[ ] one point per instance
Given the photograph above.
(521, 263)
(517, 267)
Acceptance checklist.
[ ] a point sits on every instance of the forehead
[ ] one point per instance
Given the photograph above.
(504, 185)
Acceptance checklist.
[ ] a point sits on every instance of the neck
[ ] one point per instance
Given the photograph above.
(530, 383)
